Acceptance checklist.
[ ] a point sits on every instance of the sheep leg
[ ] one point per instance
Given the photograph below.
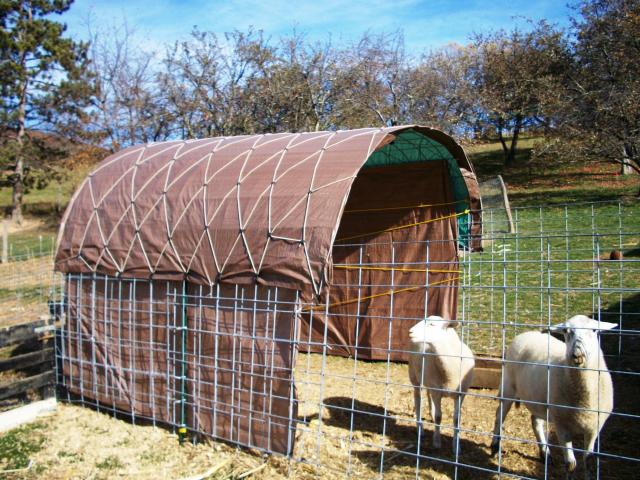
(457, 406)
(538, 428)
(589, 443)
(501, 414)
(435, 400)
(567, 452)
(417, 404)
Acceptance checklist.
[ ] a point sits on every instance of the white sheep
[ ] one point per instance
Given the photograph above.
(579, 381)
(442, 364)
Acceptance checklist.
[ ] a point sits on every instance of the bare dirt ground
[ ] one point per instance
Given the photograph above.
(82, 443)
(358, 450)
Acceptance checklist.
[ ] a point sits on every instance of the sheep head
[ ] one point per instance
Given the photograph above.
(428, 331)
(581, 337)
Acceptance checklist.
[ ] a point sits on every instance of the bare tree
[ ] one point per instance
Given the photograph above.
(128, 109)
(518, 79)
(208, 83)
(296, 89)
(376, 77)
(441, 90)
(605, 85)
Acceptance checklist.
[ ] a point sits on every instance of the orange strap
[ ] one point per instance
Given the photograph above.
(388, 292)
(393, 229)
(397, 269)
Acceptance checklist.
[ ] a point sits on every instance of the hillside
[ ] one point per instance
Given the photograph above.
(537, 183)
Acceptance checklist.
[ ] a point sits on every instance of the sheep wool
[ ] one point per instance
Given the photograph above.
(443, 364)
(568, 379)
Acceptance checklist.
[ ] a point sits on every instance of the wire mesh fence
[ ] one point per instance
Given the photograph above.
(326, 382)
(25, 278)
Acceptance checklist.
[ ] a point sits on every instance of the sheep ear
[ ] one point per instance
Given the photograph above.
(599, 326)
(558, 328)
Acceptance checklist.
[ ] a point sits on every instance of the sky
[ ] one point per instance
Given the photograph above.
(426, 24)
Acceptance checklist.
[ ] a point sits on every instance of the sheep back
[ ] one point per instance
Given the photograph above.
(448, 364)
(581, 388)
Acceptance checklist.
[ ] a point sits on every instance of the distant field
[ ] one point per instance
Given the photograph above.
(49, 201)
(556, 265)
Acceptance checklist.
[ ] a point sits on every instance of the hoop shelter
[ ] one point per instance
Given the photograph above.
(265, 217)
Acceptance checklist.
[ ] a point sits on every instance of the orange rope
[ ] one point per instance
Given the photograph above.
(393, 229)
(422, 205)
(388, 269)
(388, 292)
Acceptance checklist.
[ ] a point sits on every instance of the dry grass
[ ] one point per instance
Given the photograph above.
(82, 443)
(359, 452)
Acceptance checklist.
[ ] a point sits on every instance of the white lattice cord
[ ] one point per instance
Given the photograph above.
(136, 234)
(117, 157)
(183, 151)
(270, 235)
(166, 214)
(316, 287)
(267, 159)
(343, 204)
(170, 231)
(239, 203)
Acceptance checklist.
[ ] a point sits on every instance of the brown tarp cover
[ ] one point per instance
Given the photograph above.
(260, 210)
(361, 315)
(235, 210)
(121, 347)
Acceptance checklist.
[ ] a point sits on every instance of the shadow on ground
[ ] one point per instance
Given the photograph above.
(474, 462)
(619, 437)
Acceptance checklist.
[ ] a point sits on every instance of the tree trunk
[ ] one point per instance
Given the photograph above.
(511, 156)
(505, 149)
(626, 168)
(18, 184)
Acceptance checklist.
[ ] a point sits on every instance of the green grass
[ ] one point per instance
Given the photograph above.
(547, 273)
(70, 457)
(31, 243)
(26, 294)
(49, 201)
(17, 445)
(112, 462)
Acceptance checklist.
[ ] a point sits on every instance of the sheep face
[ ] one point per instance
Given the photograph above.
(429, 330)
(581, 337)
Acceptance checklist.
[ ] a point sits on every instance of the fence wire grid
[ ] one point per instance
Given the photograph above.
(259, 366)
(26, 273)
